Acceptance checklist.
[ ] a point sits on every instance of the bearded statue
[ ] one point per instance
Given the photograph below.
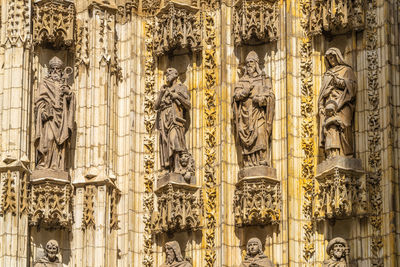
(336, 103)
(174, 256)
(50, 259)
(338, 252)
(54, 117)
(253, 112)
(255, 256)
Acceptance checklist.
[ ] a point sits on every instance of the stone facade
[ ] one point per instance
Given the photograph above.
(202, 133)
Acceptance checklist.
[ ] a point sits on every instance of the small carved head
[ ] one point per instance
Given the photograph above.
(254, 247)
(171, 75)
(52, 250)
(337, 248)
(330, 108)
(252, 64)
(55, 68)
(334, 57)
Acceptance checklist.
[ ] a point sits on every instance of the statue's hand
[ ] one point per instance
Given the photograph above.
(45, 116)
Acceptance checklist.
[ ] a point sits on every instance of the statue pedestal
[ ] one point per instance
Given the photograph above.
(339, 189)
(174, 178)
(258, 198)
(50, 199)
(179, 205)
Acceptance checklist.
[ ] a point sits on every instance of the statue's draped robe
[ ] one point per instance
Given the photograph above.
(344, 97)
(177, 264)
(44, 262)
(253, 121)
(334, 263)
(261, 260)
(51, 136)
(172, 122)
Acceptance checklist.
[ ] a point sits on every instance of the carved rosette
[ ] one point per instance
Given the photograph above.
(50, 203)
(177, 26)
(340, 192)
(257, 201)
(255, 20)
(53, 23)
(179, 209)
(336, 16)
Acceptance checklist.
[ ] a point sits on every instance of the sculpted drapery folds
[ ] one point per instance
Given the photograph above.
(173, 120)
(336, 106)
(255, 256)
(54, 114)
(253, 107)
(338, 252)
(174, 256)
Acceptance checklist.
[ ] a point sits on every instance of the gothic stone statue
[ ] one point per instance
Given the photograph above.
(255, 256)
(336, 106)
(174, 256)
(54, 116)
(254, 107)
(338, 251)
(50, 259)
(173, 120)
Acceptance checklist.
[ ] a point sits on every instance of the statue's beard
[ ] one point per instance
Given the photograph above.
(170, 259)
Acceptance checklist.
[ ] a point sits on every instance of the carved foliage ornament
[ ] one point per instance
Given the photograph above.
(177, 26)
(178, 209)
(53, 23)
(257, 203)
(8, 194)
(51, 205)
(18, 23)
(255, 20)
(336, 16)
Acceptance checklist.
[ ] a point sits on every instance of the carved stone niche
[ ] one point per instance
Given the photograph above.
(255, 21)
(339, 189)
(336, 17)
(51, 197)
(177, 26)
(53, 23)
(258, 198)
(179, 208)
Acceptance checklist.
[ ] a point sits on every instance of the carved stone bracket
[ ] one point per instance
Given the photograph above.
(258, 199)
(255, 20)
(14, 176)
(179, 208)
(51, 197)
(100, 196)
(339, 189)
(336, 16)
(177, 26)
(53, 23)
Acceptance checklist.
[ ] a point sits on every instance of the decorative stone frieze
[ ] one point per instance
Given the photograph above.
(179, 208)
(336, 17)
(258, 199)
(51, 199)
(53, 23)
(339, 189)
(14, 179)
(255, 21)
(177, 26)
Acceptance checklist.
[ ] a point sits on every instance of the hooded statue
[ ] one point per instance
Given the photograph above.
(255, 256)
(338, 251)
(336, 106)
(54, 117)
(253, 108)
(174, 256)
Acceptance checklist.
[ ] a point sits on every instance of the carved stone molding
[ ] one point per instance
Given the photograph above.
(14, 179)
(51, 200)
(257, 201)
(177, 26)
(339, 189)
(124, 12)
(336, 17)
(53, 23)
(255, 21)
(179, 209)
(18, 22)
